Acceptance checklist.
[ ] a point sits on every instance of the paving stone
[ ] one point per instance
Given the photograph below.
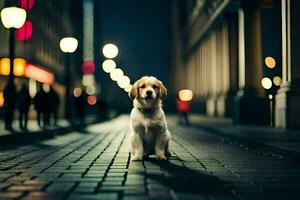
(97, 166)
(10, 195)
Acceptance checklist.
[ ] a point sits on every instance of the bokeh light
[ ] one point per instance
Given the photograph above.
(92, 100)
(19, 66)
(185, 95)
(128, 88)
(90, 89)
(77, 92)
(108, 65)
(123, 82)
(270, 96)
(88, 67)
(46, 87)
(32, 87)
(5, 66)
(110, 50)
(277, 80)
(25, 32)
(68, 44)
(1, 99)
(13, 17)
(116, 74)
(270, 62)
(266, 83)
(39, 74)
(88, 79)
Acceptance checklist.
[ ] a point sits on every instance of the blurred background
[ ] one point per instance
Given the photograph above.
(226, 54)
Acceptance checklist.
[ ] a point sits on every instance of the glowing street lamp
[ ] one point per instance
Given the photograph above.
(12, 18)
(110, 51)
(123, 82)
(266, 83)
(108, 65)
(116, 74)
(68, 45)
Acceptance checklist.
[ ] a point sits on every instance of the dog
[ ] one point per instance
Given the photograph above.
(149, 131)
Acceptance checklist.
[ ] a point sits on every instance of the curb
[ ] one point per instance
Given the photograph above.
(252, 144)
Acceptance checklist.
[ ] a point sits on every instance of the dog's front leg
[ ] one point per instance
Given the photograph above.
(161, 142)
(137, 148)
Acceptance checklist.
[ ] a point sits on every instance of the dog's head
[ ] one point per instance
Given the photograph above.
(148, 89)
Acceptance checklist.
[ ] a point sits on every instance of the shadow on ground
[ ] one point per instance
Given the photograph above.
(184, 180)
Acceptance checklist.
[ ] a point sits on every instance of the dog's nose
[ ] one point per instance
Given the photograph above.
(149, 92)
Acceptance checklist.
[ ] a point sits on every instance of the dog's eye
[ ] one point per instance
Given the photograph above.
(155, 86)
(143, 86)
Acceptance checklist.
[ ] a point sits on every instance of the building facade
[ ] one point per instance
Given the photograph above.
(50, 21)
(240, 58)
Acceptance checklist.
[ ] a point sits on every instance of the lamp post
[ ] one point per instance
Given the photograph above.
(68, 45)
(12, 19)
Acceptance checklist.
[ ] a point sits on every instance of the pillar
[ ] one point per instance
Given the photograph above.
(232, 19)
(287, 107)
(251, 105)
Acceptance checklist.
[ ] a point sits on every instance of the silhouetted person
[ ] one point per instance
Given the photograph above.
(53, 103)
(40, 104)
(79, 102)
(10, 98)
(183, 108)
(24, 102)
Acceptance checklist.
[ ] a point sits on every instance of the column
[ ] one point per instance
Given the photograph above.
(211, 102)
(251, 105)
(287, 107)
(233, 63)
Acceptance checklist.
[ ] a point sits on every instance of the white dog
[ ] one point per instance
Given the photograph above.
(149, 129)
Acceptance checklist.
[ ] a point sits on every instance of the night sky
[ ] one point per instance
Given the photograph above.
(141, 30)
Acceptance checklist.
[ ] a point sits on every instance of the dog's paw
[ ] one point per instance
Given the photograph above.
(161, 157)
(136, 158)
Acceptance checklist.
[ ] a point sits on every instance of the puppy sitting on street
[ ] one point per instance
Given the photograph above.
(150, 134)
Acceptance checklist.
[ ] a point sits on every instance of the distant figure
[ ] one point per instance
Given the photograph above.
(10, 98)
(183, 108)
(79, 102)
(39, 105)
(53, 99)
(24, 102)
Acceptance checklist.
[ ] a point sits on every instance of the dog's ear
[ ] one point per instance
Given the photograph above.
(162, 90)
(133, 91)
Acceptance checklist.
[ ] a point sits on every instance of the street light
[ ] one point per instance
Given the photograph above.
(12, 18)
(110, 51)
(68, 45)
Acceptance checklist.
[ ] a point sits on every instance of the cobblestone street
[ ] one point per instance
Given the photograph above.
(95, 164)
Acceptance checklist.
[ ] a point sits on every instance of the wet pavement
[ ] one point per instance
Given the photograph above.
(94, 163)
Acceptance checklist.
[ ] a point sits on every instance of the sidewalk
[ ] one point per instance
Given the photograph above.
(33, 133)
(95, 163)
(270, 139)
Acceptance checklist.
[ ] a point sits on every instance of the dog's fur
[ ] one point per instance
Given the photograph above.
(149, 131)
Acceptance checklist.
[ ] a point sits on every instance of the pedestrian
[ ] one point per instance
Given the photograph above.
(183, 108)
(53, 98)
(39, 105)
(24, 102)
(10, 98)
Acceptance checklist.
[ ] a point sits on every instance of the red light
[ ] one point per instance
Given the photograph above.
(25, 32)
(92, 100)
(88, 67)
(26, 4)
(39, 74)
